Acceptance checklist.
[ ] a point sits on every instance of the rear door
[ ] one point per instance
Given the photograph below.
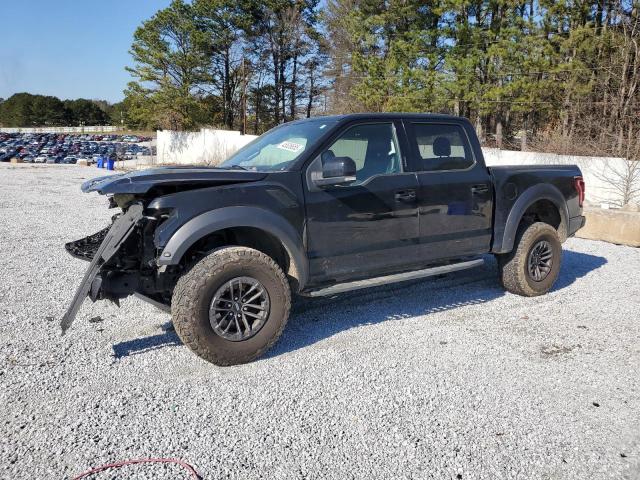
(369, 226)
(455, 190)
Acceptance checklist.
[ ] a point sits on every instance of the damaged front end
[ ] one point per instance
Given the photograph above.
(124, 256)
(122, 260)
(101, 248)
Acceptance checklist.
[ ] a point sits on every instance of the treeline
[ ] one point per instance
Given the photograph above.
(27, 110)
(560, 74)
(235, 64)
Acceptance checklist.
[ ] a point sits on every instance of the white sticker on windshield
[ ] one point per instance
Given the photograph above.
(290, 146)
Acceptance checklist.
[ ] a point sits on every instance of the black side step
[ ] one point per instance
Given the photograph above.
(398, 277)
(155, 303)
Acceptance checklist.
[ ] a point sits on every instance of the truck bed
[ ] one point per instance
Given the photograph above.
(518, 186)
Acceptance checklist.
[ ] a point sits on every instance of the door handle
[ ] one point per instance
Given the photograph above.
(478, 189)
(405, 196)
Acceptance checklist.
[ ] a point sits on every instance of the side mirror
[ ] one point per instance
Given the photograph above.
(336, 171)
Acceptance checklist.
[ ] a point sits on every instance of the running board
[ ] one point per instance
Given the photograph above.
(398, 277)
(151, 301)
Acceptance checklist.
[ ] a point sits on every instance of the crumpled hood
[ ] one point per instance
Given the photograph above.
(142, 181)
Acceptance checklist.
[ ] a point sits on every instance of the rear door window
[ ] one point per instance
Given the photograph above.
(440, 147)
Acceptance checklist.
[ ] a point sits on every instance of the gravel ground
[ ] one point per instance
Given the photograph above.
(440, 378)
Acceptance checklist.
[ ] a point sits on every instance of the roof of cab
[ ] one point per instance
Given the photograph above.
(372, 115)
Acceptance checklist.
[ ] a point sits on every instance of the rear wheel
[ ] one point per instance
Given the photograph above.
(533, 266)
(232, 306)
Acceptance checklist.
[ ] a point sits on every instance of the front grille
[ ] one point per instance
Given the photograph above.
(86, 248)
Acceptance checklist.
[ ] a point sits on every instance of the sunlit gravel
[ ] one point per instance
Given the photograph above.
(442, 378)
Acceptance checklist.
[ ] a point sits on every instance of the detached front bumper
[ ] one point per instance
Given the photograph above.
(99, 248)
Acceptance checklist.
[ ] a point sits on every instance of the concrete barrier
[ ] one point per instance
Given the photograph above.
(614, 226)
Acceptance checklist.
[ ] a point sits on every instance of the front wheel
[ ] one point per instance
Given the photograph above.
(232, 306)
(533, 266)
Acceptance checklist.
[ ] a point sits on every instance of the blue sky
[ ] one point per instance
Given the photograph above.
(69, 48)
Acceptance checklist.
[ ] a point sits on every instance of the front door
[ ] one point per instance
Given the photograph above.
(368, 227)
(455, 194)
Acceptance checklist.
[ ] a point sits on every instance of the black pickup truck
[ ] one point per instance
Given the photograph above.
(318, 207)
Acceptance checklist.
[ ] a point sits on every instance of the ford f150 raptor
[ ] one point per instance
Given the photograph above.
(317, 207)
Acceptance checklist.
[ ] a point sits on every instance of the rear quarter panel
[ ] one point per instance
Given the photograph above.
(517, 187)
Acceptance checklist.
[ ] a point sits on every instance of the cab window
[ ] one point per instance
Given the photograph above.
(441, 147)
(373, 148)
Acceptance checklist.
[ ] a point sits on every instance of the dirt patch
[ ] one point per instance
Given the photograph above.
(556, 350)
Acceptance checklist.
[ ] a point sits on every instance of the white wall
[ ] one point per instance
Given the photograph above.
(600, 173)
(207, 146)
(86, 129)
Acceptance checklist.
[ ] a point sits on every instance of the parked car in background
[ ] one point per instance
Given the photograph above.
(7, 155)
(41, 146)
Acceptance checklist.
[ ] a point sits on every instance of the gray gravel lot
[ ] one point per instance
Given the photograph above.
(439, 378)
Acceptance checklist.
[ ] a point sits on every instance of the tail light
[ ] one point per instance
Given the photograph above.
(579, 185)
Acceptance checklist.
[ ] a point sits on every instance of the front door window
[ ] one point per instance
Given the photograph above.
(373, 147)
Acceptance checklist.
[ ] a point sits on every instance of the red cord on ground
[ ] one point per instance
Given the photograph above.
(185, 465)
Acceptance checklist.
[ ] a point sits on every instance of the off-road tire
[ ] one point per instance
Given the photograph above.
(513, 266)
(195, 289)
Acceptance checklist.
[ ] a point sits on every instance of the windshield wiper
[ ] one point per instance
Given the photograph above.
(232, 167)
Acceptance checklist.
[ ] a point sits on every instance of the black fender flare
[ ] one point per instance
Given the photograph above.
(238, 216)
(503, 243)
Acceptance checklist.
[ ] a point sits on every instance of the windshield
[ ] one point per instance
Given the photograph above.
(277, 149)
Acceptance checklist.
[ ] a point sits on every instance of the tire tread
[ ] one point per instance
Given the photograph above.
(193, 281)
(512, 265)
